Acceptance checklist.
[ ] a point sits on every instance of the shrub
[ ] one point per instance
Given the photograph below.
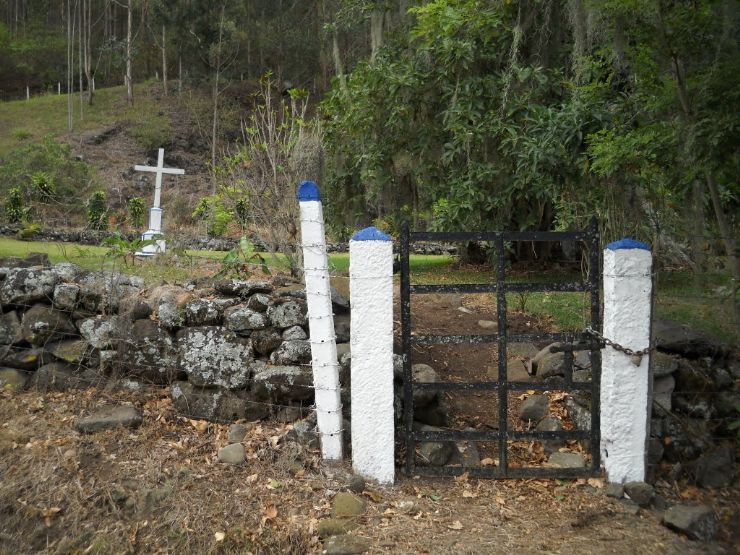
(14, 210)
(136, 211)
(97, 211)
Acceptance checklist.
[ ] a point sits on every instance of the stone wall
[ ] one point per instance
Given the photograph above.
(230, 349)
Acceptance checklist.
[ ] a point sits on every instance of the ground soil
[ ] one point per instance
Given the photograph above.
(160, 488)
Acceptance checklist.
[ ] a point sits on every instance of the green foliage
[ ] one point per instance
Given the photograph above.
(216, 215)
(44, 172)
(242, 260)
(97, 211)
(42, 186)
(135, 207)
(153, 132)
(120, 248)
(28, 231)
(14, 209)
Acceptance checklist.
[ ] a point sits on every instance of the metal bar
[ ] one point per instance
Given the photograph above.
(513, 473)
(455, 236)
(552, 384)
(459, 435)
(503, 400)
(453, 339)
(408, 409)
(595, 355)
(455, 386)
(568, 365)
(551, 337)
(459, 288)
(544, 235)
(564, 287)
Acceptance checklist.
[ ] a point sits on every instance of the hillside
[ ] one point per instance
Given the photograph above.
(112, 137)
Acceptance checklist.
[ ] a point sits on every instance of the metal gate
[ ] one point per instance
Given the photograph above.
(572, 341)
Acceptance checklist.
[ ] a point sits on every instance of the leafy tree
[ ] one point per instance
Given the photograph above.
(97, 211)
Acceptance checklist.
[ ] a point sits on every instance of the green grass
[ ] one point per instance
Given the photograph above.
(28, 121)
(678, 297)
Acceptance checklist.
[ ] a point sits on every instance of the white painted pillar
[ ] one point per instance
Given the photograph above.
(371, 291)
(28, 93)
(625, 407)
(321, 322)
(59, 87)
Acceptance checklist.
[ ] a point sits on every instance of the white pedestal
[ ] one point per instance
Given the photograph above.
(155, 229)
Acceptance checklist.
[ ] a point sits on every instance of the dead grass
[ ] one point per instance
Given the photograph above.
(160, 489)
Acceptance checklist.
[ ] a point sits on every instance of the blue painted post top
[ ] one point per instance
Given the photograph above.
(308, 190)
(371, 233)
(627, 243)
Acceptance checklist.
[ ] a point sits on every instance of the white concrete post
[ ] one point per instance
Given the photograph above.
(625, 406)
(371, 291)
(321, 322)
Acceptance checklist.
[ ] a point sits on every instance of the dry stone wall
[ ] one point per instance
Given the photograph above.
(229, 349)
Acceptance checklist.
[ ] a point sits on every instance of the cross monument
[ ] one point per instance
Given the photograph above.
(155, 213)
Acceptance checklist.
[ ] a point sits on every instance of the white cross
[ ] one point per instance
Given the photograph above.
(159, 170)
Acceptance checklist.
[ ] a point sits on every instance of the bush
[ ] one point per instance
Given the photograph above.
(97, 211)
(14, 210)
(136, 211)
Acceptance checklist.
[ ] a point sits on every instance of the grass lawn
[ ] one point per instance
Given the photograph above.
(678, 297)
(28, 121)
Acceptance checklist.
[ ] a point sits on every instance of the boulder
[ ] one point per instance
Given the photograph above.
(24, 359)
(580, 415)
(103, 291)
(148, 352)
(434, 414)
(663, 364)
(685, 439)
(258, 302)
(240, 318)
(640, 492)
(214, 356)
(566, 460)
(74, 351)
(66, 271)
(23, 286)
(66, 296)
(551, 424)
(338, 302)
(282, 383)
(203, 312)
(547, 364)
(291, 352)
(41, 324)
(12, 379)
(697, 522)
(59, 376)
(134, 308)
(242, 288)
(237, 432)
(423, 373)
(662, 393)
(10, 328)
(342, 328)
(290, 312)
(346, 504)
(295, 333)
(715, 468)
(109, 417)
(671, 337)
(215, 404)
(100, 332)
(329, 527)
(435, 453)
(535, 407)
(266, 341)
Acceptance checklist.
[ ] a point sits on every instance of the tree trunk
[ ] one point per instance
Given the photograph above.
(80, 40)
(164, 60)
(338, 67)
(729, 241)
(69, 66)
(129, 80)
(377, 17)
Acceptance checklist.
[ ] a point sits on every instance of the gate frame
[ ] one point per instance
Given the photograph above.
(572, 342)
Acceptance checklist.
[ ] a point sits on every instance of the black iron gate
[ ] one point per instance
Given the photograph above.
(570, 342)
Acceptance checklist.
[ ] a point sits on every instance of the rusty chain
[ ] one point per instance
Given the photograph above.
(635, 356)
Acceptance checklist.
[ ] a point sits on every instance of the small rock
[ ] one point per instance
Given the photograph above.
(10, 328)
(487, 324)
(697, 522)
(435, 453)
(237, 433)
(232, 454)
(110, 417)
(335, 526)
(258, 302)
(566, 460)
(640, 492)
(534, 407)
(339, 302)
(663, 364)
(342, 328)
(288, 314)
(630, 506)
(423, 373)
(292, 352)
(346, 545)
(614, 490)
(356, 483)
(346, 504)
